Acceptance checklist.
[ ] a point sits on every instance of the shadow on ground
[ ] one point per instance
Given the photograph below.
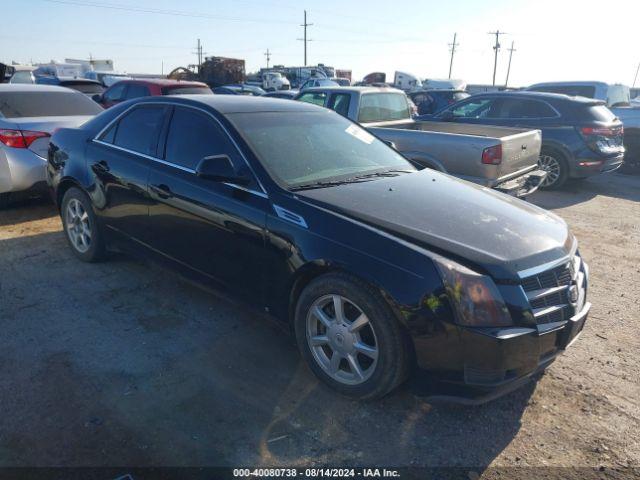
(615, 185)
(123, 363)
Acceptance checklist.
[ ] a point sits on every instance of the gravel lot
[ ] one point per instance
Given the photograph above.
(123, 363)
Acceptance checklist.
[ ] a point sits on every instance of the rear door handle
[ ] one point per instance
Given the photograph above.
(161, 191)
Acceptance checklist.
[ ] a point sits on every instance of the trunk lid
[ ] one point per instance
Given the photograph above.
(46, 125)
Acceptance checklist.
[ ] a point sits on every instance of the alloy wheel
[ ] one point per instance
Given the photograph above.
(552, 167)
(342, 340)
(78, 225)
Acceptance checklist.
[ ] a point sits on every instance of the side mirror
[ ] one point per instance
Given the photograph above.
(219, 168)
(447, 116)
(97, 98)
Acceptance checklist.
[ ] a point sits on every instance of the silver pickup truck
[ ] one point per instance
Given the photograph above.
(497, 157)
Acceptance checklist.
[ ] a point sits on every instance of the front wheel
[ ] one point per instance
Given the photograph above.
(556, 167)
(350, 337)
(80, 226)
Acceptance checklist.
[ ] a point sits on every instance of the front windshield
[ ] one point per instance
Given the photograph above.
(302, 148)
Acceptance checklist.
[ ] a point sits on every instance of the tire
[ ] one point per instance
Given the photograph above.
(375, 345)
(80, 226)
(555, 163)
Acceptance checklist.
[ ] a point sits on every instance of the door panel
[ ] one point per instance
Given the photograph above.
(211, 227)
(119, 161)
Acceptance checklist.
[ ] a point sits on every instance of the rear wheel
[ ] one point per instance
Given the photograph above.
(556, 167)
(350, 337)
(80, 226)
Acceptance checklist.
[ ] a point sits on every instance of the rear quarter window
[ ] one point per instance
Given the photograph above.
(599, 113)
(317, 98)
(186, 91)
(383, 107)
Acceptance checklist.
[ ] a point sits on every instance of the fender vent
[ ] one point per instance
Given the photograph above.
(290, 216)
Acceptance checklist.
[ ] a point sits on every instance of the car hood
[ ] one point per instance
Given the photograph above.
(502, 234)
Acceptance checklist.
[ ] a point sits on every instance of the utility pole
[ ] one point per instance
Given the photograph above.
(496, 47)
(453, 51)
(636, 77)
(268, 55)
(198, 52)
(511, 50)
(305, 39)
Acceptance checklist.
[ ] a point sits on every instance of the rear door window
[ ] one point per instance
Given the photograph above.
(139, 129)
(192, 136)
(137, 91)
(519, 108)
(383, 107)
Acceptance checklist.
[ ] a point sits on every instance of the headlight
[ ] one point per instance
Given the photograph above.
(474, 297)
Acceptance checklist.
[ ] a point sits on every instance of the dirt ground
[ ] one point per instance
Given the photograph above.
(123, 363)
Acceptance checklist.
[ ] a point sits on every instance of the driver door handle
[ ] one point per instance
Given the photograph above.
(162, 191)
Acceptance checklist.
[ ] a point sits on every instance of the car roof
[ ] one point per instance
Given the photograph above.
(540, 96)
(226, 104)
(354, 89)
(28, 87)
(565, 83)
(164, 82)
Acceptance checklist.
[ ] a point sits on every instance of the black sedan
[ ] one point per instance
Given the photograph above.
(380, 268)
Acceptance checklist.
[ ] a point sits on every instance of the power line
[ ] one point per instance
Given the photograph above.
(496, 47)
(511, 50)
(305, 39)
(179, 13)
(453, 51)
(636, 77)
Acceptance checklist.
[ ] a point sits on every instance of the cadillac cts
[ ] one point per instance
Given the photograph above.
(384, 271)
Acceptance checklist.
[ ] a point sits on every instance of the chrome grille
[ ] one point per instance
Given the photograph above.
(556, 294)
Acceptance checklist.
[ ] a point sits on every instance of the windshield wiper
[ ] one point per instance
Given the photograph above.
(324, 184)
(386, 173)
(356, 179)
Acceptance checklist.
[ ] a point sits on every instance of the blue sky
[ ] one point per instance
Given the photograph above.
(554, 40)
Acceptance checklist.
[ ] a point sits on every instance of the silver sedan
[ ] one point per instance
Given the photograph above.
(29, 114)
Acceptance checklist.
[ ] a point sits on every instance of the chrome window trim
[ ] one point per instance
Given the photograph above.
(263, 192)
(179, 167)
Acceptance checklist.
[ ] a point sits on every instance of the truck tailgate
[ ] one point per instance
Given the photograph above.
(519, 152)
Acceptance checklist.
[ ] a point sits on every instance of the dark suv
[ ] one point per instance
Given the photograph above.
(580, 136)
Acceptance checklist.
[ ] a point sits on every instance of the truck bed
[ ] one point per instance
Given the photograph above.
(457, 148)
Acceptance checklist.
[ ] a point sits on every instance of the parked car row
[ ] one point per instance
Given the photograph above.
(382, 270)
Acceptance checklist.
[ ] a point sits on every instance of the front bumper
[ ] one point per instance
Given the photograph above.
(498, 361)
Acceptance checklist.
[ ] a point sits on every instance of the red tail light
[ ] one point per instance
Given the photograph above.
(20, 138)
(492, 155)
(602, 131)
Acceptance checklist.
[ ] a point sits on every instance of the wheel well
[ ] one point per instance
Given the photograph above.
(305, 277)
(561, 151)
(64, 185)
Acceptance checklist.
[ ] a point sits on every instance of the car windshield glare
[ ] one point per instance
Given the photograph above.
(308, 147)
